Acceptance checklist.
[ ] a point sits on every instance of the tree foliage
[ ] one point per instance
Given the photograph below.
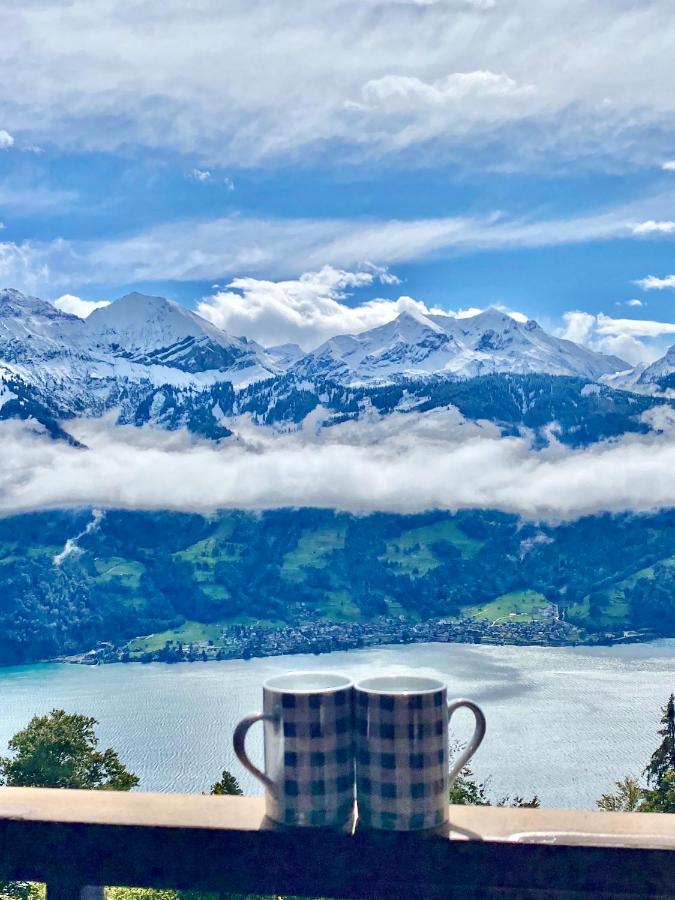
(467, 791)
(663, 759)
(147, 572)
(227, 785)
(628, 797)
(60, 750)
(659, 796)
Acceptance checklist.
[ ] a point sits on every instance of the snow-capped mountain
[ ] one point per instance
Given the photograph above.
(155, 331)
(150, 360)
(660, 373)
(285, 355)
(32, 329)
(657, 378)
(416, 345)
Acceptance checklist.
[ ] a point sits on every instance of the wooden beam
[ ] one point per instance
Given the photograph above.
(225, 844)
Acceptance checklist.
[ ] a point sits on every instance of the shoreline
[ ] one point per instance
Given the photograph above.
(258, 642)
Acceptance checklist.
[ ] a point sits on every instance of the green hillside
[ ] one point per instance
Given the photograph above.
(182, 577)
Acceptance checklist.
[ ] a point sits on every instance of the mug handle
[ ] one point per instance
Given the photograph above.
(476, 737)
(239, 741)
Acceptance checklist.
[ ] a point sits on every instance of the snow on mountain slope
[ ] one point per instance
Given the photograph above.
(660, 372)
(503, 344)
(285, 355)
(155, 331)
(656, 378)
(30, 326)
(409, 345)
(150, 360)
(418, 345)
(69, 367)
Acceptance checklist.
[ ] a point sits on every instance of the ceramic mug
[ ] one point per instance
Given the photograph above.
(309, 759)
(401, 737)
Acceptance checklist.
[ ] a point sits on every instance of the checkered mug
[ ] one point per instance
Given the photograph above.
(401, 748)
(309, 757)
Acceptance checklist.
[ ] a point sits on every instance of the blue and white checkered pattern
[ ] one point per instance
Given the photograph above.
(401, 759)
(309, 756)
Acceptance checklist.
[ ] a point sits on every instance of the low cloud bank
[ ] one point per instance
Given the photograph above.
(407, 466)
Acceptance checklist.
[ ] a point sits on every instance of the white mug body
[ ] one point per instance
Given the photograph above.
(309, 754)
(402, 752)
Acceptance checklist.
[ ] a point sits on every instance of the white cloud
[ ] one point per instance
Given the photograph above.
(212, 249)
(634, 327)
(635, 340)
(310, 309)
(6, 140)
(229, 184)
(201, 175)
(653, 283)
(402, 93)
(652, 227)
(404, 464)
(578, 326)
(634, 302)
(76, 306)
(197, 86)
(307, 310)
(669, 166)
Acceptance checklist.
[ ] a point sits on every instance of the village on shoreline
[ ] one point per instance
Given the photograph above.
(252, 640)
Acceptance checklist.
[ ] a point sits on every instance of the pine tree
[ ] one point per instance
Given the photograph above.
(662, 798)
(663, 759)
(228, 784)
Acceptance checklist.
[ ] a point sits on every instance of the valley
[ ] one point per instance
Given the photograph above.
(240, 580)
(147, 584)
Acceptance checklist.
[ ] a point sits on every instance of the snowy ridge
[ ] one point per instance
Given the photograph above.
(415, 345)
(153, 330)
(150, 360)
(660, 370)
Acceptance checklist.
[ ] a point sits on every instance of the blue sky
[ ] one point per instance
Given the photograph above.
(480, 153)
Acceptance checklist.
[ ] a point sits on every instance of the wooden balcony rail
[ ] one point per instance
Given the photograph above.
(224, 844)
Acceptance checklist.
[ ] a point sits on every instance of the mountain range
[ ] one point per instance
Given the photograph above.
(152, 361)
(71, 578)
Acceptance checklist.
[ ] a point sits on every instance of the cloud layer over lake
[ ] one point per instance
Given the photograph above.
(406, 464)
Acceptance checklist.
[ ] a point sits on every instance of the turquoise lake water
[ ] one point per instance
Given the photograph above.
(564, 723)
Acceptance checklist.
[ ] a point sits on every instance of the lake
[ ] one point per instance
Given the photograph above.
(563, 723)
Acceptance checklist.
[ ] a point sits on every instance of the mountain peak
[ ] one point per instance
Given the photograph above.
(419, 345)
(16, 303)
(33, 330)
(489, 318)
(142, 321)
(659, 373)
(156, 331)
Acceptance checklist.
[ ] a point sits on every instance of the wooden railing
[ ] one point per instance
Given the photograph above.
(224, 844)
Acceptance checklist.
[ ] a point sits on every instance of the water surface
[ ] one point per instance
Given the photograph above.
(563, 723)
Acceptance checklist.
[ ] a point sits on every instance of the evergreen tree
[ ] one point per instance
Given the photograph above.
(659, 772)
(663, 759)
(662, 797)
(228, 784)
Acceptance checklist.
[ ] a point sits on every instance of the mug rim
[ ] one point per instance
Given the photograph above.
(388, 685)
(345, 682)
